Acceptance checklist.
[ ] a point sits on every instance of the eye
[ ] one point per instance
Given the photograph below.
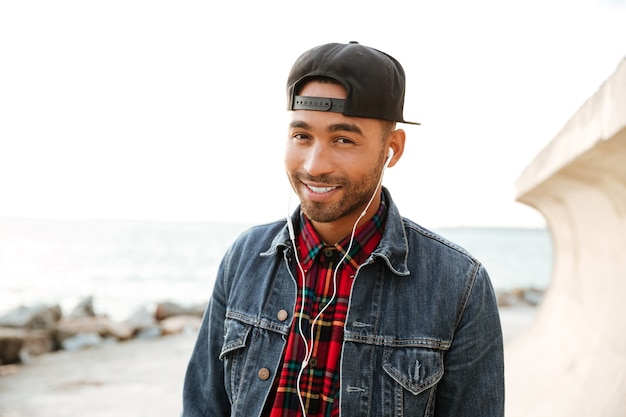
(343, 140)
(301, 136)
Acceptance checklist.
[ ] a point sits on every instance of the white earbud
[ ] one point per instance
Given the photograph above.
(389, 157)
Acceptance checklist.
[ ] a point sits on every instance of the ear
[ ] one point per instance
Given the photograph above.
(395, 141)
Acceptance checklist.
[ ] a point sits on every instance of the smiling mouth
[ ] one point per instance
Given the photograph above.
(320, 190)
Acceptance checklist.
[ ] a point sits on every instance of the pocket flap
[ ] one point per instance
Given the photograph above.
(235, 336)
(416, 369)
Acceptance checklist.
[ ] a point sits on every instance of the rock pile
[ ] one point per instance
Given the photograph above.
(520, 296)
(34, 330)
(31, 331)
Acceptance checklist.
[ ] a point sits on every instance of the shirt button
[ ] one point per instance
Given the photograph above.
(313, 362)
(264, 373)
(282, 315)
(328, 253)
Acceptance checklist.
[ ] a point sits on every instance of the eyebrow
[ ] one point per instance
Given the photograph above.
(336, 127)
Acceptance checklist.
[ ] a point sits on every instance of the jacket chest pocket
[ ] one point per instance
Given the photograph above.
(415, 369)
(413, 375)
(233, 354)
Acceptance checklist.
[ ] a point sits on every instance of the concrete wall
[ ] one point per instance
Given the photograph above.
(572, 360)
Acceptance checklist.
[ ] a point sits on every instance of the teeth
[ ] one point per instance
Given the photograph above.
(321, 190)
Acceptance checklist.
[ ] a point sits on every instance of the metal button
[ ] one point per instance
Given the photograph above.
(264, 373)
(282, 315)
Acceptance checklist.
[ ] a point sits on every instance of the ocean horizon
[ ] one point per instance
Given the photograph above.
(129, 264)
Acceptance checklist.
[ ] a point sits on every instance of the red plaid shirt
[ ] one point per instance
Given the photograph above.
(319, 383)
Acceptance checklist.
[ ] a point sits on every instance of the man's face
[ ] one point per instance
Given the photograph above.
(333, 162)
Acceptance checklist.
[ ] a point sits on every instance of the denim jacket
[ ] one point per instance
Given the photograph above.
(422, 334)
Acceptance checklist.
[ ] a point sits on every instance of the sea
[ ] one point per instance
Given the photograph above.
(126, 265)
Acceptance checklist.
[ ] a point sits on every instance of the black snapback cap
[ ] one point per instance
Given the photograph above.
(374, 80)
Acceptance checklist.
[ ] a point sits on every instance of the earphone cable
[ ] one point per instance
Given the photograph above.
(309, 349)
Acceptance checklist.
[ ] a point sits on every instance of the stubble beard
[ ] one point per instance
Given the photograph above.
(355, 196)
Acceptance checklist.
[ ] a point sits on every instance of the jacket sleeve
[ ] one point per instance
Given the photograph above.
(473, 381)
(204, 393)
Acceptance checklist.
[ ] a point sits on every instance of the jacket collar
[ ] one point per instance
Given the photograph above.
(394, 247)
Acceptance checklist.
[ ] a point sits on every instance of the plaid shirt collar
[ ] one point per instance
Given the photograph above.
(320, 380)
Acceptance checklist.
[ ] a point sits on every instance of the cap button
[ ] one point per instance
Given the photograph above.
(353, 42)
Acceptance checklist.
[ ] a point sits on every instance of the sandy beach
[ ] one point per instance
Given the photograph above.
(128, 379)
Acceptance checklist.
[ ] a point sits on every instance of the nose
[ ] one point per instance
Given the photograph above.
(318, 160)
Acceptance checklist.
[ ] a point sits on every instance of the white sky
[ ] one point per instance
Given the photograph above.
(175, 110)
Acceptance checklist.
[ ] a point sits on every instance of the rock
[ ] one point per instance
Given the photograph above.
(520, 296)
(502, 299)
(149, 333)
(84, 308)
(81, 341)
(18, 344)
(142, 321)
(11, 342)
(102, 326)
(120, 331)
(180, 324)
(533, 296)
(168, 309)
(36, 317)
(38, 342)
(505, 299)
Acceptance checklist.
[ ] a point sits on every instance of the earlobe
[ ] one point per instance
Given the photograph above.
(396, 145)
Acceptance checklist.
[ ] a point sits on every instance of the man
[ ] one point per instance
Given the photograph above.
(347, 308)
